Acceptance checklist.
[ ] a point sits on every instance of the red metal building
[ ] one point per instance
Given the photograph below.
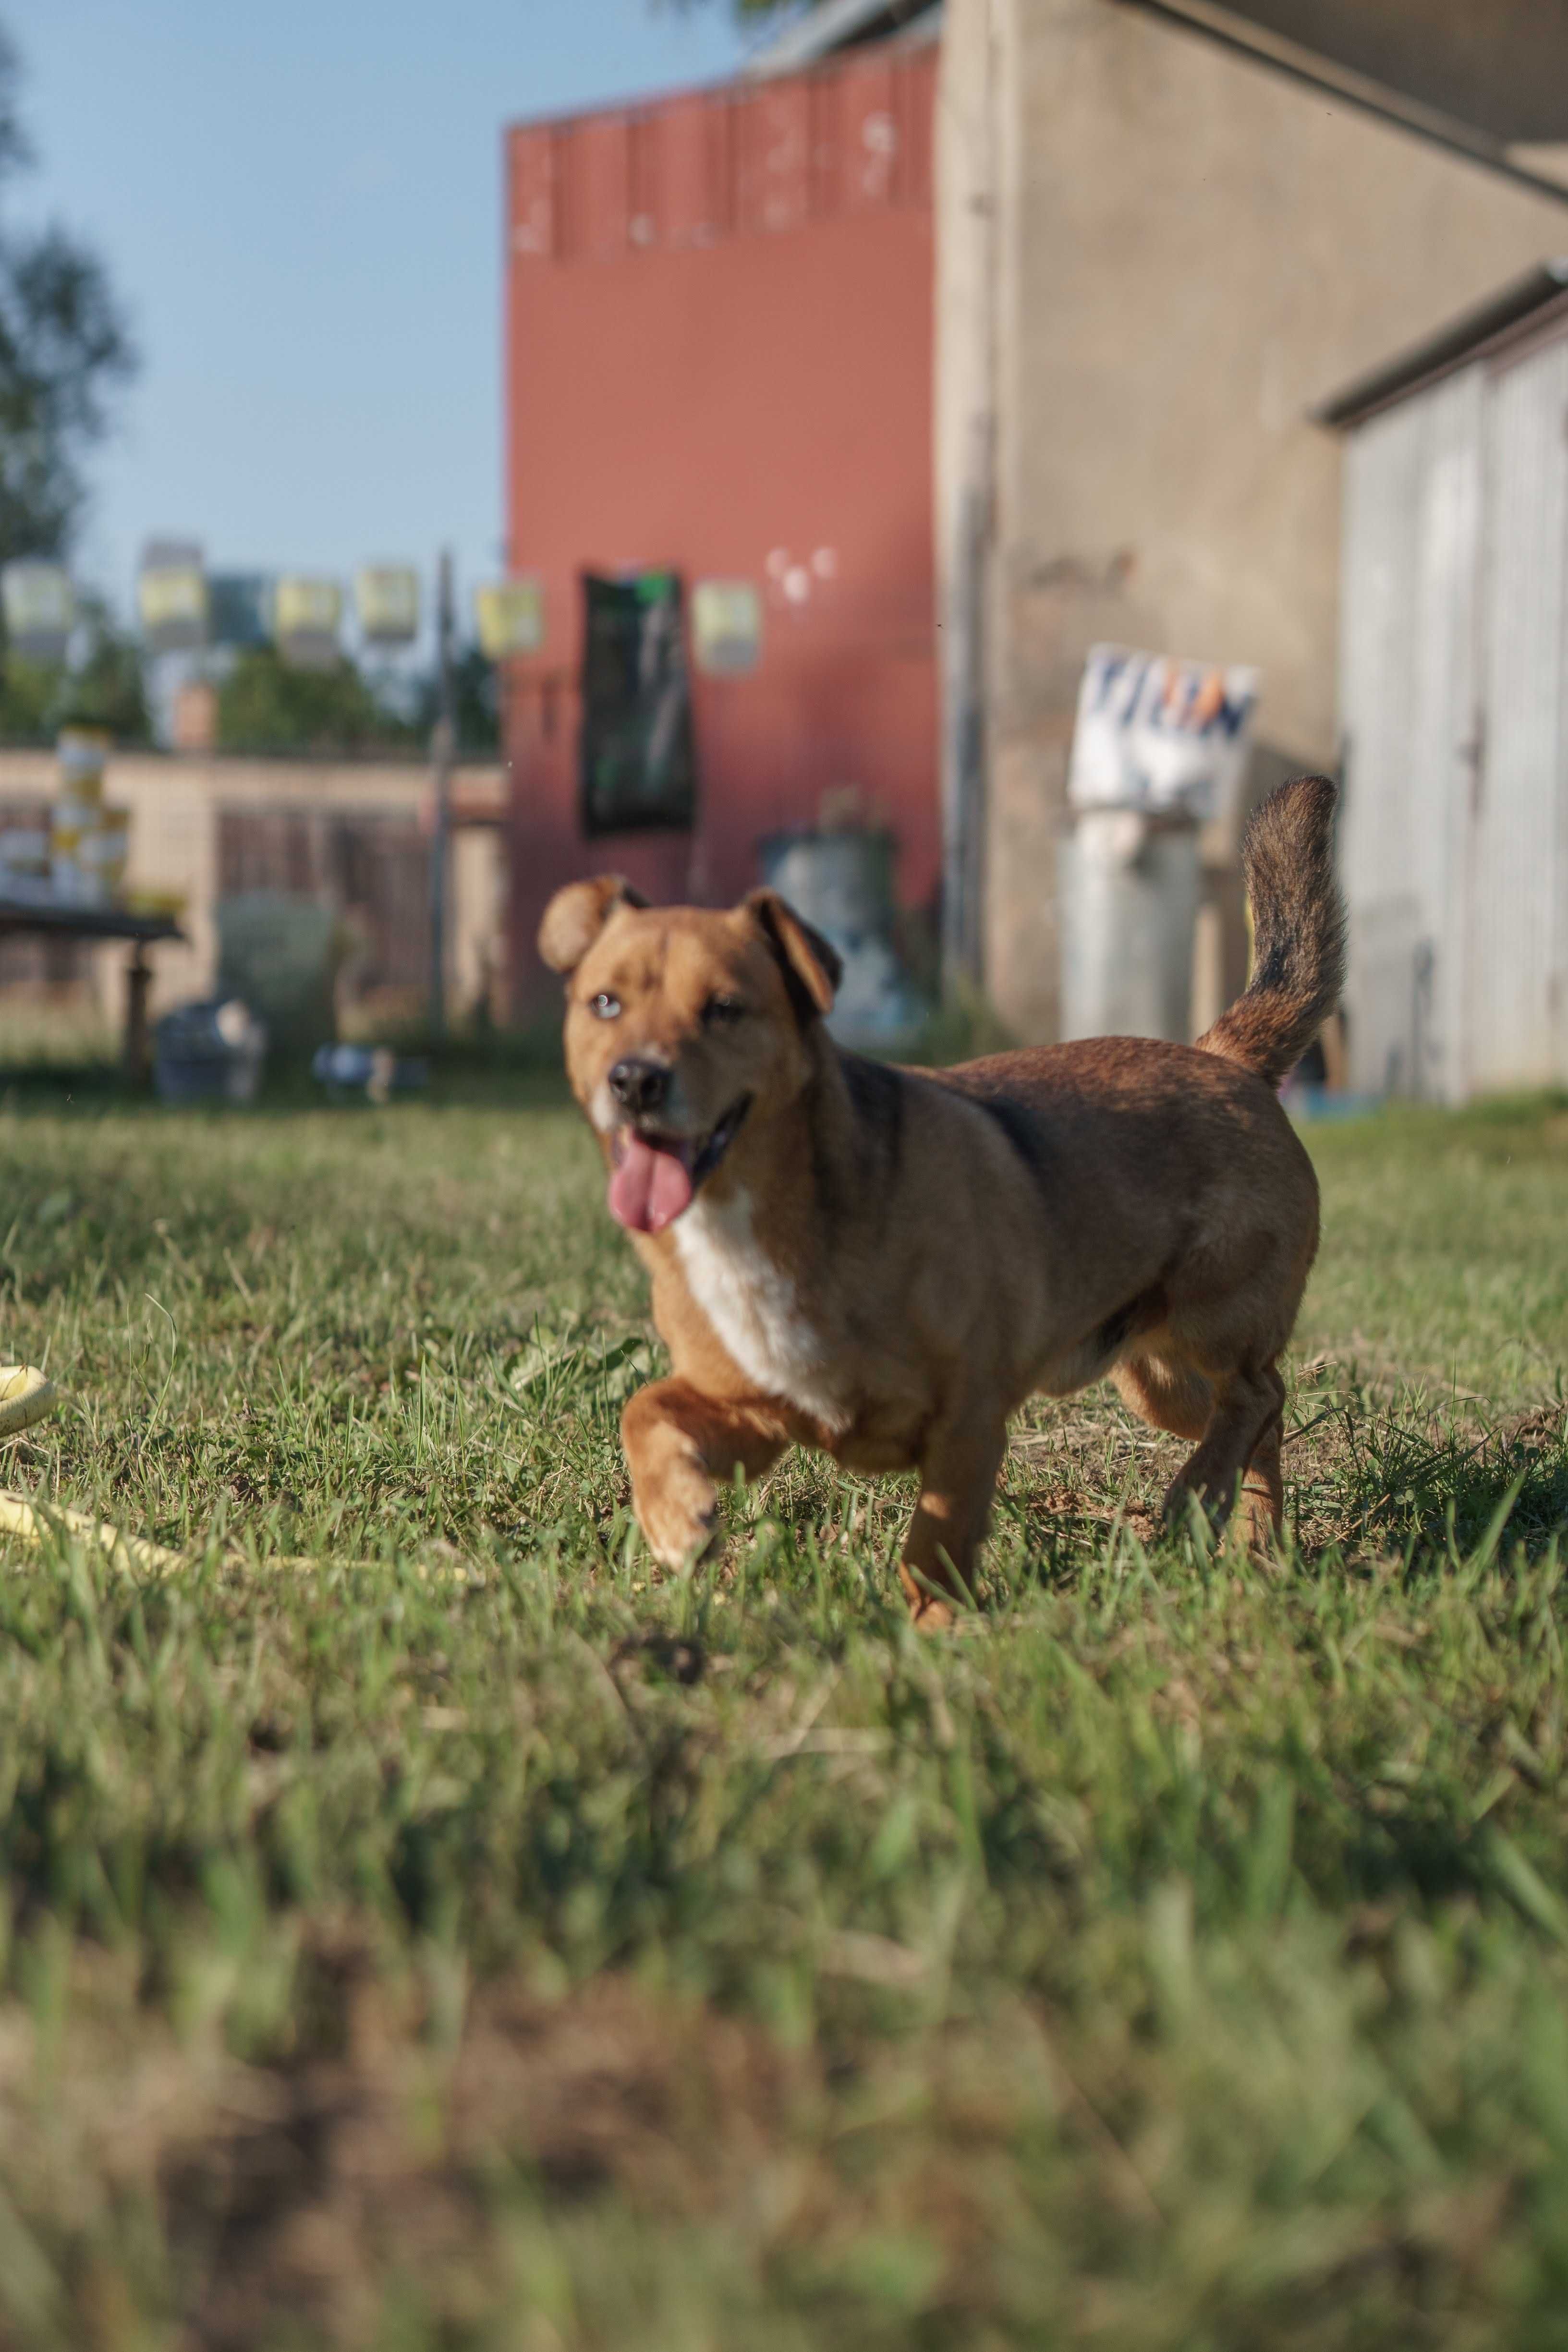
(720, 362)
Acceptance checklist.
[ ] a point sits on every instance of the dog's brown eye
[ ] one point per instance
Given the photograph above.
(604, 1007)
(721, 1009)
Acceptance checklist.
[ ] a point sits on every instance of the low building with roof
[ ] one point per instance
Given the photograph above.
(1168, 231)
(1454, 700)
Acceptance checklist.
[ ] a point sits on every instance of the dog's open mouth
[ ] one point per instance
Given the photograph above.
(655, 1176)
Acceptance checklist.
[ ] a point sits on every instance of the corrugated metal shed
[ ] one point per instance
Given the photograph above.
(1455, 604)
(742, 159)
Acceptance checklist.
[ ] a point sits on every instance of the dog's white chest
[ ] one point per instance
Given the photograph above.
(753, 1306)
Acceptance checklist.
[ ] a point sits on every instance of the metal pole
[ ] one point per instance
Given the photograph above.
(963, 893)
(137, 1057)
(443, 747)
(974, 154)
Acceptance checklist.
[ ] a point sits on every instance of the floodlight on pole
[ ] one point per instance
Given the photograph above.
(387, 604)
(443, 751)
(171, 597)
(509, 615)
(307, 614)
(39, 606)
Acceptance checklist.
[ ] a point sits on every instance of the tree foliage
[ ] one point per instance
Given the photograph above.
(64, 350)
(268, 706)
(476, 703)
(104, 687)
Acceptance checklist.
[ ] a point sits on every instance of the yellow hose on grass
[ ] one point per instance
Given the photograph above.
(18, 1516)
(35, 1523)
(25, 1396)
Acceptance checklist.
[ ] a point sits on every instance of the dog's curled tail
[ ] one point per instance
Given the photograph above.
(1299, 933)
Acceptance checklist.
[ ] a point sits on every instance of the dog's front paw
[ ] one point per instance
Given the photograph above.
(930, 1615)
(679, 1514)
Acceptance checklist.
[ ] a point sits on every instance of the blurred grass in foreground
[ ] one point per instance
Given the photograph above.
(464, 1935)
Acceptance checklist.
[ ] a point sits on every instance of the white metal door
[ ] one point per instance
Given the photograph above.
(1514, 877)
(1408, 697)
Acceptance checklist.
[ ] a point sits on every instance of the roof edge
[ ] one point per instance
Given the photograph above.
(835, 24)
(1474, 334)
(1215, 21)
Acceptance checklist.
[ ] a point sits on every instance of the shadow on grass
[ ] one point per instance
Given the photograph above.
(50, 1085)
(1427, 1852)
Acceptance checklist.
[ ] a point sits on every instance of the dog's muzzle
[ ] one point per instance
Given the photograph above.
(655, 1176)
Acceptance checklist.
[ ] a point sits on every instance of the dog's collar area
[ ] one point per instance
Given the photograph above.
(718, 1141)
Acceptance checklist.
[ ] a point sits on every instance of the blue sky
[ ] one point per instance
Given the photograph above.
(300, 206)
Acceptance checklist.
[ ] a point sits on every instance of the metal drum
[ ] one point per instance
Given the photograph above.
(842, 883)
(1130, 888)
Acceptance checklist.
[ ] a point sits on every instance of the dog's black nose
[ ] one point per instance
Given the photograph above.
(639, 1086)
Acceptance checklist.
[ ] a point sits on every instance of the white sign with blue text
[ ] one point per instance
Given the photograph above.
(1165, 737)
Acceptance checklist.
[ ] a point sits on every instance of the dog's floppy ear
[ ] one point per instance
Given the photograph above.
(576, 915)
(812, 969)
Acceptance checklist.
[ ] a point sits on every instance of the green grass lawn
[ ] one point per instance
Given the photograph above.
(422, 1923)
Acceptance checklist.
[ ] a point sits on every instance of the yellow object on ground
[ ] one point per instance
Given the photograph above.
(25, 1396)
(35, 1523)
(18, 1516)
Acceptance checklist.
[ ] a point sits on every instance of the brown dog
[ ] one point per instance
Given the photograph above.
(886, 1262)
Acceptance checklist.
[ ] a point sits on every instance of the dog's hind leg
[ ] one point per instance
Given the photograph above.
(1167, 1392)
(1241, 1443)
(958, 1478)
(1263, 1486)
(679, 1445)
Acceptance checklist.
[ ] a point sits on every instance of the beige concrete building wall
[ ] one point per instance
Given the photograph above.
(175, 803)
(1188, 252)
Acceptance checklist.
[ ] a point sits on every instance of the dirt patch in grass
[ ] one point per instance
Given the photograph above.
(440, 2157)
(288, 2193)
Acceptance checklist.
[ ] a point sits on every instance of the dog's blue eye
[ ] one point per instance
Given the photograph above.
(604, 1007)
(724, 1008)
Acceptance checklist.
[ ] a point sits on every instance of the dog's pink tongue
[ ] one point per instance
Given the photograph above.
(649, 1189)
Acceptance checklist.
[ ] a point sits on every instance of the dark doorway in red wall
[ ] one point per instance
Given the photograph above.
(638, 763)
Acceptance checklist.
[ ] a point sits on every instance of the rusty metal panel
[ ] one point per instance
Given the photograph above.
(689, 167)
(773, 159)
(693, 169)
(870, 135)
(824, 162)
(644, 146)
(533, 207)
(916, 90)
(1518, 1025)
(822, 341)
(601, 228)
